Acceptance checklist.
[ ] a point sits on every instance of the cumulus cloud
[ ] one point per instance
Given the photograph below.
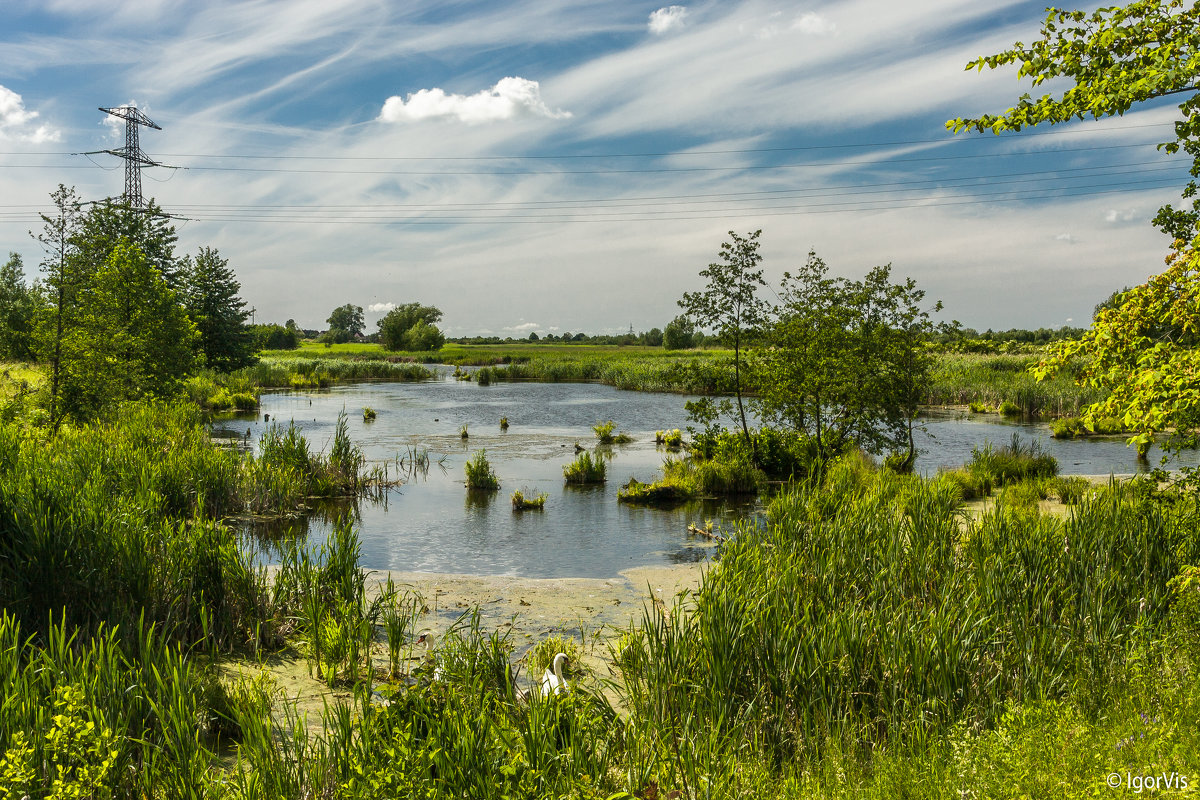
(377, 307)
(510, 98)
(667, 18)
(814, 24)
(16, 120)
(524, 326)
(1066, 237)
(1121, 215)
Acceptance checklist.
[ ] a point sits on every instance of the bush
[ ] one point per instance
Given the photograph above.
(1010, 409)
(479, 473)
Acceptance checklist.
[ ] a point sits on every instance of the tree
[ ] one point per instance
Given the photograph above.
(1111, 59)
(108, 224)
(18, 304)
(730, 305)
(345, 323)
(423, 337)
(1142, 347)
(129, 338)
(273, 336)
(210, 296)
(62, 280)
(1143, 353)
(651, 338)
(678, 334)
(846, 361)
(395, 329)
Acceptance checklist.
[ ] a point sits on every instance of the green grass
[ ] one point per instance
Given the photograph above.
(990, 381)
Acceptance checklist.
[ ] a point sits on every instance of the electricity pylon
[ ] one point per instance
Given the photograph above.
(132, 153)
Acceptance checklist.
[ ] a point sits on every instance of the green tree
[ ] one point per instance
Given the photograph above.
(61, 267)
(210, 296)
(846, 361)
(423, 337)
(129, 338)
(109, 224)
(345, 323)
(1109, 60)
(679, 334)
(1143, 353)
(18, 305)
(730, 305)
(396, 329)
(273, 336)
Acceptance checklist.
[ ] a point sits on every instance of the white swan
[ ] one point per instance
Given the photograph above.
(554, 682)
(427, 640)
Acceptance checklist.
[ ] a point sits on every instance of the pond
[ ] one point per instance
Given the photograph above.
(432, 524)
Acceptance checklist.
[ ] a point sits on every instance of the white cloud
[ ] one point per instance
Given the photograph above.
(15, 120)
(1066, 237)
(814, 24)
(510, 98)
(524, 326)
(375, 308)
(1121, 215)
(667, 18)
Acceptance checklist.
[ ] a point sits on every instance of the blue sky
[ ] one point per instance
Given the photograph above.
(550, 166)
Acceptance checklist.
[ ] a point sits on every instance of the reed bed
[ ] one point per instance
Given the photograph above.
(585, 469)
(312, 373)
(989, 381)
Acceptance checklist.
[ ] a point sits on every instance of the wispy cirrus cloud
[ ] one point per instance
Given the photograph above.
(510, 98)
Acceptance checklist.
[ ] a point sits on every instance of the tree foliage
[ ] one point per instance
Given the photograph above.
(730, 305)
(411, 326)
(129, 338)
(210, 296)
(846, 361)
(18, 305)
(1143, 352)
(679, 334)
(1111, 59)
(345, 323)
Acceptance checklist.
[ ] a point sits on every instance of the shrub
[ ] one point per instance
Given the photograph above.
(586, 468)
(479, 473)
(1010, 409)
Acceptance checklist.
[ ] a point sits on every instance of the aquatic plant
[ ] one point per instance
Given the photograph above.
(462, 432)
(368, 414)
(504, 423)
(479, 473)
(606, 433)
(585, 469)
(524, 500)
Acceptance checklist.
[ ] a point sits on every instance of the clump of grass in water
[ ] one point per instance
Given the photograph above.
(585, 469)
(479, 473)
(368, 414)
(672, 439)
(526, 502)
(504, 423)
(606, 433)
(462, 432)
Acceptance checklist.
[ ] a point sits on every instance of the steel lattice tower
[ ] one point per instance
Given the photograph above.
(132, 153)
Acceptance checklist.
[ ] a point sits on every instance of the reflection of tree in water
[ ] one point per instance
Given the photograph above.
(690, 555)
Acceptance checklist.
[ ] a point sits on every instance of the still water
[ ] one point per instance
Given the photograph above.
(432, 524)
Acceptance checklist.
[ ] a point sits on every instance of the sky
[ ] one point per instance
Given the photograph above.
(561, 166)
